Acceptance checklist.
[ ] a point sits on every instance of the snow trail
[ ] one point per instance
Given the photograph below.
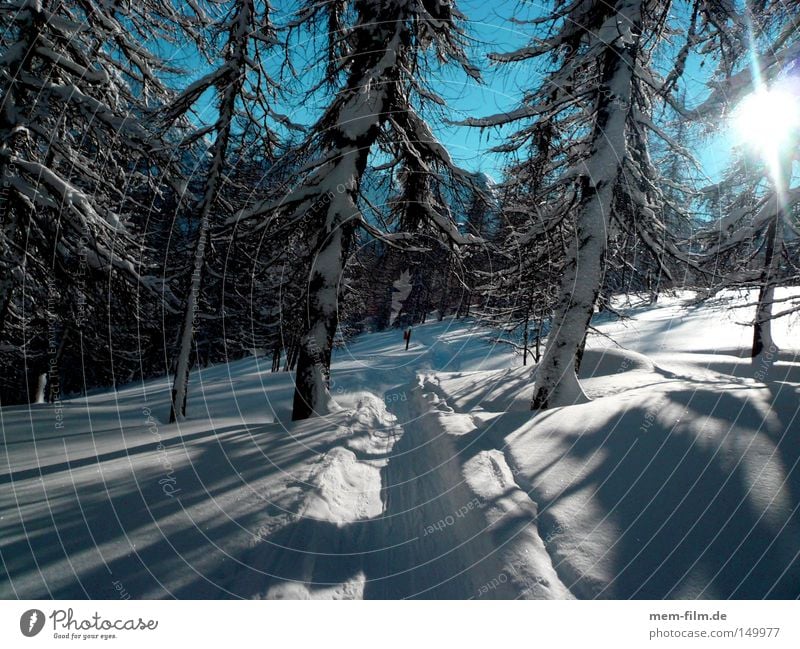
(446, 550)
(433, 535)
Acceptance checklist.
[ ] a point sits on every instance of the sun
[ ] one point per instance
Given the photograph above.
(767, 120)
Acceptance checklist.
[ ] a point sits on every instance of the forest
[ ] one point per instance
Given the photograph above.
(154, 220)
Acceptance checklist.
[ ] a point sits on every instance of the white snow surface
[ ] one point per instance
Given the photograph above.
(432, 478)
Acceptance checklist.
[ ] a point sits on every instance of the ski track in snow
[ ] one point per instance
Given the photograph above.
(429, 479)
(426, 531)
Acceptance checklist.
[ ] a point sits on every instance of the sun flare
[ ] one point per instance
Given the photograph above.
(767, 119)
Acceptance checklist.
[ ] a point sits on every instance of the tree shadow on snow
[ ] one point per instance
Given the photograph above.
(60, 551)
(700, 513)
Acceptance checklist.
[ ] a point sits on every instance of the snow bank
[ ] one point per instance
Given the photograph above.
(678, 492)
(346, 486)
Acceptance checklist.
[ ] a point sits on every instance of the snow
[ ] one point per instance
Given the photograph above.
(680, 478)
(431, 478)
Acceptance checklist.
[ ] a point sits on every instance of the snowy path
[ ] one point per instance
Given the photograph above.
(437, 534)
(446, 549)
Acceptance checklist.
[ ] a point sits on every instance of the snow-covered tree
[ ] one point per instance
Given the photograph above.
(753, 243)
(596, 104)
(750, 242)
(382, 56)
(244, 87)
(77, 86)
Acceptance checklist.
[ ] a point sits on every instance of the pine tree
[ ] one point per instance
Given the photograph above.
(381, 57)
(246, 31)
(77, 89)
(748, 238)
(600, 89)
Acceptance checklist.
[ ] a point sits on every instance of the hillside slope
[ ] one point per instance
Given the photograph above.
(430, 479)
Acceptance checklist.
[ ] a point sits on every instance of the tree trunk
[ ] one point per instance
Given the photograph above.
(219, 148)
(556, 381)
(276, 357)
(312, 382)
(180, 388)
(525, 338)
(55, 376)
(291, 356)
(41, 389)
(352, 128)
(762, 328)
(445, 294)
(655, 289)
(579, 354)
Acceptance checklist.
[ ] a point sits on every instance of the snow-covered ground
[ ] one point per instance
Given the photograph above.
(433, 479)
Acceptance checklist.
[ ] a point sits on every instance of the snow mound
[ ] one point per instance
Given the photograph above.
(610, 360)
(344, 489)
(512, 389)
(346, 486)
(512, 517)
(683, 492)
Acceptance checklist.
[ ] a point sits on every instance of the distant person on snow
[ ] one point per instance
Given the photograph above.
(407, 336)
